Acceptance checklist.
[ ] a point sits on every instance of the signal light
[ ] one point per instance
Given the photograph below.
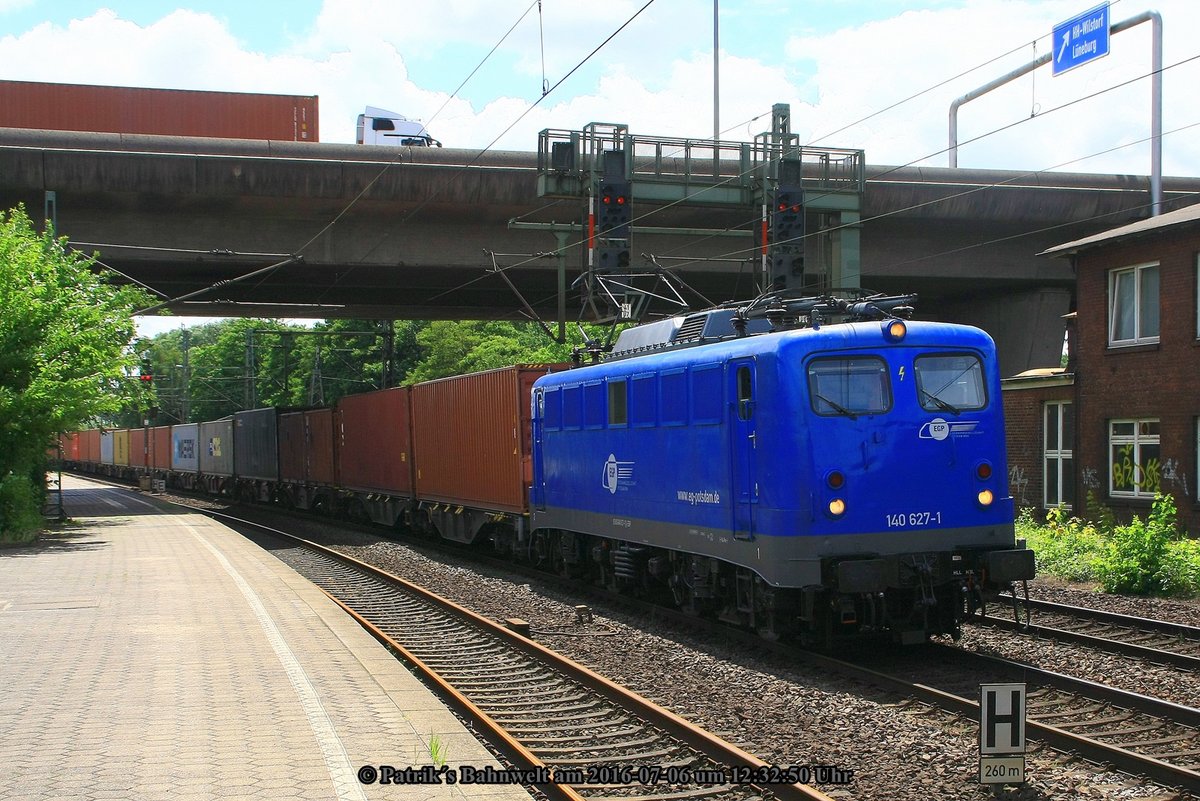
(147, 374)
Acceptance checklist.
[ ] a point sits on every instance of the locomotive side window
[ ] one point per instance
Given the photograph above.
(594, 404)
(673, 396)
(950, 382)
(849, 387)
(643, 400)
(618, 406)
(572, 407)
(707, 397)
(552, 409)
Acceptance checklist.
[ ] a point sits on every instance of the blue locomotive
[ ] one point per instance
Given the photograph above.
(816, 482)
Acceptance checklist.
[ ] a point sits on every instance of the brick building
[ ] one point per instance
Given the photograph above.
(1038, 404)
(1124, 423)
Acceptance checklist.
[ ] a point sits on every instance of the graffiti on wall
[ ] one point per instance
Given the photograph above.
(1018, 483)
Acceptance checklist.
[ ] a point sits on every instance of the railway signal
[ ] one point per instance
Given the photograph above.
(785, 236)
(147, 374)
(612, 225)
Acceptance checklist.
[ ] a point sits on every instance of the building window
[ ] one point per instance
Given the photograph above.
(1133, 305)
(1059, 473)
(1133, 458)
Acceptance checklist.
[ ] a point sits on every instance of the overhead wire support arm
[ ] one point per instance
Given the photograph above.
(561, 338)
(220, 284)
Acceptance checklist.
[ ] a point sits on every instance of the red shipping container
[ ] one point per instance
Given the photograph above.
(374, 442)
(139, 451)
(160, 447)
(164, 112)
(70, 446)
(472, 438)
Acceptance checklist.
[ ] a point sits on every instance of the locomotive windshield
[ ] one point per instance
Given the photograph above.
(950, 382)
(849, 386)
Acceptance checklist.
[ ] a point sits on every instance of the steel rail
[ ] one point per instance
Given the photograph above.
(1180, 630)
(1146, 652)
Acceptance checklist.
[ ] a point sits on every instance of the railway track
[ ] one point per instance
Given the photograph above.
(1156, 641)
(1138, 735)
(1134, 733)
(581, 735)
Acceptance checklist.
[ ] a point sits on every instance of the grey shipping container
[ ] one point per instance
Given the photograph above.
(256, 452)
(184, 448)
(216, 447)
(106, 447)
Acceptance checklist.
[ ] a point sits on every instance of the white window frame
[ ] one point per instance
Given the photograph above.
(1063, 452)
(1138, 339)
(1197, 301)
(1137, 439)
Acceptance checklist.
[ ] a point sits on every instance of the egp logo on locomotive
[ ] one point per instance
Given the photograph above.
(616, 474)
(939, 429)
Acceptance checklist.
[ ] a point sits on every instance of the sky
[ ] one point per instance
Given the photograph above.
(848, 68)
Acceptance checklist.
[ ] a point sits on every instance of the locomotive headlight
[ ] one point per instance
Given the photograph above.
(894, 330)
(837, 507)
(985, 497)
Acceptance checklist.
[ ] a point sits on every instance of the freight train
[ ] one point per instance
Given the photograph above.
(801, 478)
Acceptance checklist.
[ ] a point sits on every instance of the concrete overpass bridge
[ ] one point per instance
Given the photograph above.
(184, 214)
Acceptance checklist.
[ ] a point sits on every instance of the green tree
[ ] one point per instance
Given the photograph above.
(64, 358)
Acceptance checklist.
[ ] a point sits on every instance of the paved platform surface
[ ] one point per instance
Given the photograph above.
(147, 653)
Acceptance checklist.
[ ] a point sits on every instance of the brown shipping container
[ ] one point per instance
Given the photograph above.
(471, 438)
(318, 446)
(291, 447)
(374, 442)
(160, 447)
(89, 446)
(165, 112)
(306, 447)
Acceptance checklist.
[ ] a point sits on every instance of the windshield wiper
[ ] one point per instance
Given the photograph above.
(837, 408)
(941, 404)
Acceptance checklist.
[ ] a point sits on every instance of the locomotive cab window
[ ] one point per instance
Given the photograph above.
(950, 382)
(848, 387)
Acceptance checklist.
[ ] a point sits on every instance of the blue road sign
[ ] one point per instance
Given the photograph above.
(1080, 39)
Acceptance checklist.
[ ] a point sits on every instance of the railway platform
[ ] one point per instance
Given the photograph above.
(147, 652)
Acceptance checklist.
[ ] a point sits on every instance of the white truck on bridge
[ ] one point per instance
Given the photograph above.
(382, 127)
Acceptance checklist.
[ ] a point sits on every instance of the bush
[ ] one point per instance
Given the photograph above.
(20, 521)
(1134, 554)
(1144, 557)
(1181, 569)
(1064, 547)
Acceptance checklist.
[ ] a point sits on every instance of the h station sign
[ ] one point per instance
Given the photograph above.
(1001, 733)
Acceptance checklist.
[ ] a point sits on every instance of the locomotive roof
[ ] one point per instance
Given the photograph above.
(858, 335)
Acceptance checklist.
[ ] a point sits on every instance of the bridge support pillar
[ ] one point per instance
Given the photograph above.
(845, 267)
(1027, 324)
